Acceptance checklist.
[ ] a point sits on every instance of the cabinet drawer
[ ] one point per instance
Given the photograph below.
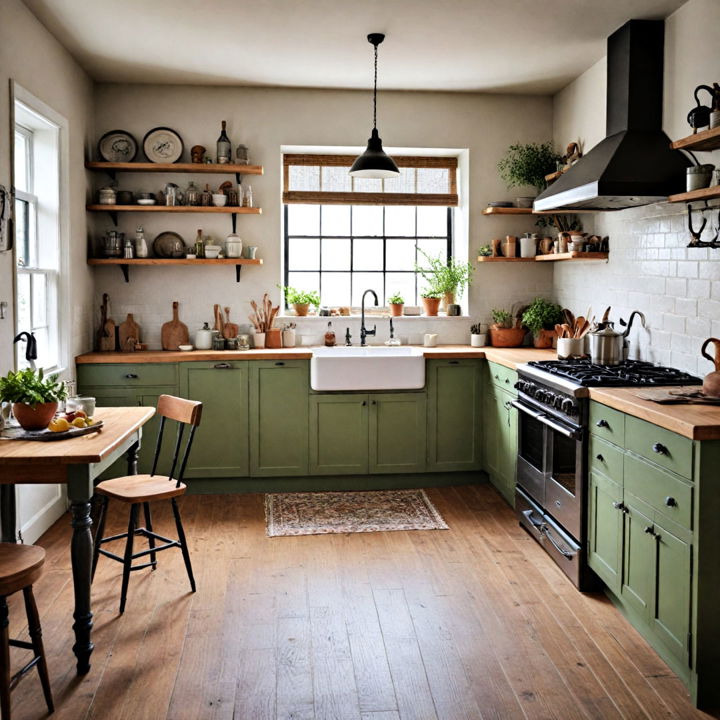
(131, 374)
(607, 423)
(606, 458)
(658, 445)
(666, 493)
(502, 377)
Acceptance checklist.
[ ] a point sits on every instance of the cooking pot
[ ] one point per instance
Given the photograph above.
(606, 345)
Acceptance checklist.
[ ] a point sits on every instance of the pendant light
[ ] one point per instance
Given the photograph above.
(374, 162)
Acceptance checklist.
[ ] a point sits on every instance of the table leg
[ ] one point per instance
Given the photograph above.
(81, 555)
(132, 458)
(7, 513)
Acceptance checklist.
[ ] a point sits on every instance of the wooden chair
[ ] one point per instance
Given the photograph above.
(20, 567)
(136, 490)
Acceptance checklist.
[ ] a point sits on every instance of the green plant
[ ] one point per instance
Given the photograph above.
(31, 387)
(301, 297)
(396, 299)
(503, 318)
(541, 314)
(430, 293)
(528, 164)
(443, 277)
(485, 251)
(563, 223)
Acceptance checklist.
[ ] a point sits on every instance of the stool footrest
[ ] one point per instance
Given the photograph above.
(15, 679)
(170, 544)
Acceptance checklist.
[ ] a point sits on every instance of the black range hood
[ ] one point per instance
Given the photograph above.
(634, 164)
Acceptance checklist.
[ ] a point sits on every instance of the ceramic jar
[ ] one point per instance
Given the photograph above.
(233, 246)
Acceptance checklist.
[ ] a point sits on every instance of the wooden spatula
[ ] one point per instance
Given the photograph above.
(174, 333)
(230, 330)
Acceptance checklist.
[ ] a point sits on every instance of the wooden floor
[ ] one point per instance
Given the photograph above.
(473, 622)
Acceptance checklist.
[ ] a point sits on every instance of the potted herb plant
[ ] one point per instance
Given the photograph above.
(34, 397)
(396, 302)
(527, 165)
(540, 318)
(449, 279)
(431, 301)
(506, 330)
(301, 300)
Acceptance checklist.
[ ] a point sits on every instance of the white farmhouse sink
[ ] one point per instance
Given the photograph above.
(368, 368)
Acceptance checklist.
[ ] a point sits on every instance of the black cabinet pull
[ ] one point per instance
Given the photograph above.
(602, 423)
(670, 502)
(374, 402)
(600, 457)
(618, 506)
(364, 403)
(497, 377)
(453, 362)
(507, 381)
(650, 530)
(131, 376)
(223, 366)
(279, 363)
(660, 449)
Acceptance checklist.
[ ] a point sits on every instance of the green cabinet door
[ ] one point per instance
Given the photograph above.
(397, 432)
(338, 434)
(638, 546)
(672, 591)
(605, 529)
(507, 452)
(220, 448)
(279, 417)
(491, 434)
(454, 415)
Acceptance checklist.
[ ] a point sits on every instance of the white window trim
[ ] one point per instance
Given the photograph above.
(19, 94)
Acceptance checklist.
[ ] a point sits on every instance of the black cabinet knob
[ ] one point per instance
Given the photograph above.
(131, 376)
(279, 364)
(602, 423)
(600, 457)
(650, 530)
(660, 449)
(670, 502)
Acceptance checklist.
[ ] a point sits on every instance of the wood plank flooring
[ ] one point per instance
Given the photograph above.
(472, 623)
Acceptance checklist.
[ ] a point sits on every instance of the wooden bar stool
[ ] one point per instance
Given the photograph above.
(20, 567)
(136, 490)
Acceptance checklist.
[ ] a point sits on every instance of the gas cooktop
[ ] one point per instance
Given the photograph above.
(630, 373)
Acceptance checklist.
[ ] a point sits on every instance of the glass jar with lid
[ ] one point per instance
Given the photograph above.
(192, 194)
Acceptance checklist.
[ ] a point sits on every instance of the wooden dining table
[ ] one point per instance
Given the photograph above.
(75, 462)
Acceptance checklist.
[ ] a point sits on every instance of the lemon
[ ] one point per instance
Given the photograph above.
(59, 425)
(79, 422)
(89, 421)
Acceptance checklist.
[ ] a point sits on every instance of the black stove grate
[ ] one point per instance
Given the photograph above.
(630, 373)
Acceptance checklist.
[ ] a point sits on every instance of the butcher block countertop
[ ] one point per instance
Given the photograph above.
(698, 422)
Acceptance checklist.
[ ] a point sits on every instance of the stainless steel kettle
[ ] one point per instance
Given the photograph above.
(606, 345)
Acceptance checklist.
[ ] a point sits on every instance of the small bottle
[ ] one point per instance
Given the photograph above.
(224, 152)
(206, 196)
(199, 245)
(128, 249)
(330, 336)
(247, 197)
(141, 248)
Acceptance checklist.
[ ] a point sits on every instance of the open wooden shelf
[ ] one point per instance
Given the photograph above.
(530, 211)
(705, 141)
(485, 258)
(708, 193)
(235, 210)
(552, 257)
(204, 168)
(125, 263)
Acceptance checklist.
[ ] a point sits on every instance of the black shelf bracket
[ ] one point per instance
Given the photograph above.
(125, 269)
(113, 216)
(234, 223)
(238, 268)
(238, 178)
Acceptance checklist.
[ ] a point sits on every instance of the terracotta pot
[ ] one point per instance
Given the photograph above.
(431, 305)
(301, 309)
(506, 337)
(543, 339)
(35, 417)
(396, 309)
(448, 299)
(273, 338)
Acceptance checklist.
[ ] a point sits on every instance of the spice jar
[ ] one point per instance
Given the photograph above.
(107, 196)
(698, 176)
(233, 246)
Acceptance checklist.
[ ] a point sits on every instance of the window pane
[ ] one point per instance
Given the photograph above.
(304, 253)
(432, 221)
(305, 178)
(364, 281)
(405, 183)
(336, 179)
(367, 255)
(335, 289)
(46, 355)
(336, 220)
(22, 237)
(335, 254)
(432, 248)
(367, 184)
(21, 169)
(304, 219)
(400, 220)
(23, 302)
(400, 255)
(39, 303)
(404, 283)
(367, 220)
(433, 180)
(304, 280)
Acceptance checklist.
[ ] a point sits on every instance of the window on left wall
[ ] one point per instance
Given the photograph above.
(37, 234)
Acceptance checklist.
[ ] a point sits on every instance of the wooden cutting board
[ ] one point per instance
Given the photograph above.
(106, 332)
(230, 330)
(128, 330)
(174, 333)
(677, 397)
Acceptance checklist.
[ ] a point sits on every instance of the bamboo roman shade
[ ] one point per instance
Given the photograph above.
(324, 179)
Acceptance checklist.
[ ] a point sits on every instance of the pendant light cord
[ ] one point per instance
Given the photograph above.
(375, 91)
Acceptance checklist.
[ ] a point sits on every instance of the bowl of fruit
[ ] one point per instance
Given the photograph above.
(73, 420)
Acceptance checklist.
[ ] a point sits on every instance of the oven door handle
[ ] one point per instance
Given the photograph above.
(565, 553)
(545, 420)
(529, 515)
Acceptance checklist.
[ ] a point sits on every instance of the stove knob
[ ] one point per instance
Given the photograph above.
(568, 407)
(558, 402)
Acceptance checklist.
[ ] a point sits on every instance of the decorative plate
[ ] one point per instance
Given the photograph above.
(169, 245)
(162, 145)
(47, 435)
(117, 146)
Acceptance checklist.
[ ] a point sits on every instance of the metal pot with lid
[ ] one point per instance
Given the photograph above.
(605, 343)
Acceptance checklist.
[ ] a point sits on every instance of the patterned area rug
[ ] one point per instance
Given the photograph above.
(320, 513)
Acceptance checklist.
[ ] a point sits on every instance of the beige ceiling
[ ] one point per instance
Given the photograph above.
(460, 45)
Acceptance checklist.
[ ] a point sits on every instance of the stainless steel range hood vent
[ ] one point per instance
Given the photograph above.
(634, 164)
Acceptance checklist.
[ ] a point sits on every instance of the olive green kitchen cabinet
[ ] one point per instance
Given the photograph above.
(355, 434)
(279, 392)
(221, 446)
(605, 529)
(454, 415)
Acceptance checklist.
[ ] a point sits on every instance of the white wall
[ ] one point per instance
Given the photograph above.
(265, 120)
(650, 267)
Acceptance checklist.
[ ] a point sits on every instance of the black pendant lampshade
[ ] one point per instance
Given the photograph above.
(374, 162)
